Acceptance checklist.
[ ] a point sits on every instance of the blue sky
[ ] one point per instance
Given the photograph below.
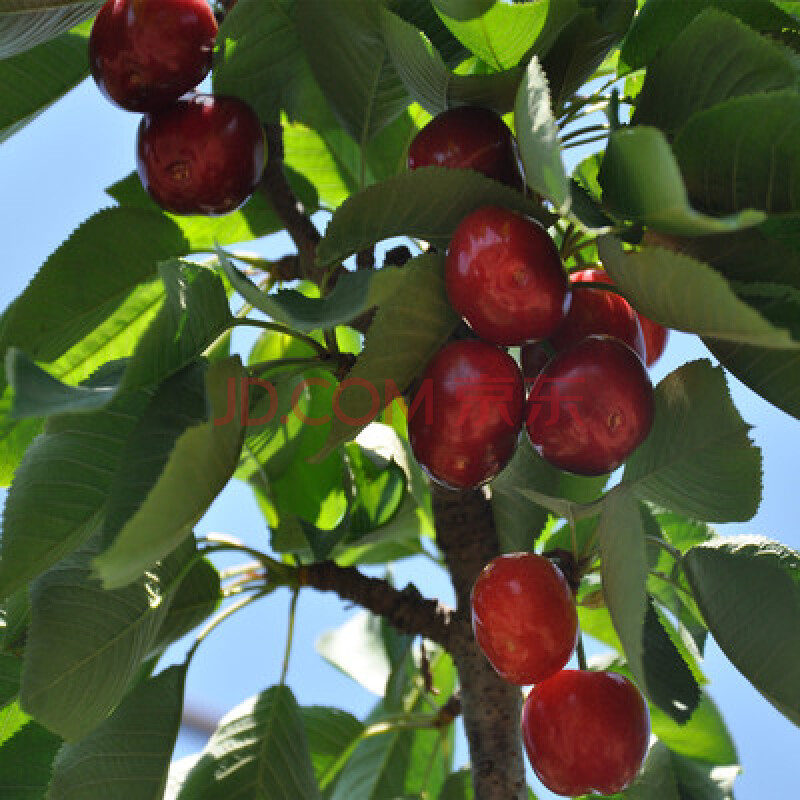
(52, 176)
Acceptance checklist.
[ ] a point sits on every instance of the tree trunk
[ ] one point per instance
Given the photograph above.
(491, 706)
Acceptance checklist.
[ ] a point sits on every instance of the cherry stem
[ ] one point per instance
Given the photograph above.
(289, 636)
(278, 327)
(666, 546)
(574, 134)
(581, 653)
(605, 287)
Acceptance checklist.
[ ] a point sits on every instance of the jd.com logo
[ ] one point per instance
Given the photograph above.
(477, 402)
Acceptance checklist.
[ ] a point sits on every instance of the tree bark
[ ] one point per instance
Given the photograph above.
(491, 706)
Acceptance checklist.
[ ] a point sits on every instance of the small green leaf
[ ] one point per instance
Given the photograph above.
(378, 491)
(458, 786)
(749, 592)
(698, 459)
(641, 180)
(201, 463)
(259, 750)
(681, 293)
(393, 208)
(690, 76)
(736, 156)
(537, 134)
(25, 762)
(28, 23)
(411, 324)
(127, 756)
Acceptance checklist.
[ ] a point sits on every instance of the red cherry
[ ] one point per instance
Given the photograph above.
(585, 732)
(504, 276)
(144, 54)
(655, 339)
(591, 406)
(202, 155)
(465, 418)
(598, 311)
(468, 137)
(524, 618)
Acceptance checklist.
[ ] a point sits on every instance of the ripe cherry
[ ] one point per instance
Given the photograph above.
(465, 418)
(202, 155)
(145, 54)
(598, 311)
(591, 406)
(468, 137)
(655, 339)
(504, 276)
(524, 618)
(585, 732)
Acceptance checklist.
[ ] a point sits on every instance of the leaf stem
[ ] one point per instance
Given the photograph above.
(289, 635)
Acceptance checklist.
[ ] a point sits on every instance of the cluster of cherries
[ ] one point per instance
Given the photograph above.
(584, 353)
(195, 153)
(583, 350)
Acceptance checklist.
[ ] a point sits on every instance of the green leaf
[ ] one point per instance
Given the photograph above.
(688, 295)
(377, 490)
(641, 181)
(690, 74)
(60, 488)
(704, 781)
(201, 463)
(537, 134)
(258, 750)
(519, 520)
(458, 786)
(660, 22)
(25, 762)
(359, 82)
(86, 644)
(331, 733)
(393, 208)
(127, 756)
(10, 671)
(774, 374)
(749, 592)
(429, 81)
(34, 80)
(698, 459)
(412, 322)
(27, 23)
(737, 156)
(656, 778)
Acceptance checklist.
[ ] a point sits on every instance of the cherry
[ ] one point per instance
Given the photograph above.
(591, 406)
(585, 732)
(655, 339)
(144, 54)
(202, 155)
(466, 416)
(468, 137)
(504, 276)
(598, 311)
(524, 618)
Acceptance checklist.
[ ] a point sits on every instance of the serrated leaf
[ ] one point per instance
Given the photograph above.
(86, 644)
(127, 756)
(774, 374)
(411, 324)
(656, 778)
(641, 180)
(698, 459)
(359, 82)
(377, 492)
(25, 759)
(737, 155)
(330, 733)
(34, 80)
(690, 75)
(60, 488)
(258, 750)
(748, 589)
(393, 208)
(697, 779)
(537, 134)
(27, 23)
(688, 295)
(202, 462)
(429, 81)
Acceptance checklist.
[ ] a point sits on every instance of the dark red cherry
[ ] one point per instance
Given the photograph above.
(468, 137)
(202, 155)
(655, 339)
(504, 276)
(598, 311)
(465, 418)
(145, 54)
(524, 618)
(591, 406)
(585, 732)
